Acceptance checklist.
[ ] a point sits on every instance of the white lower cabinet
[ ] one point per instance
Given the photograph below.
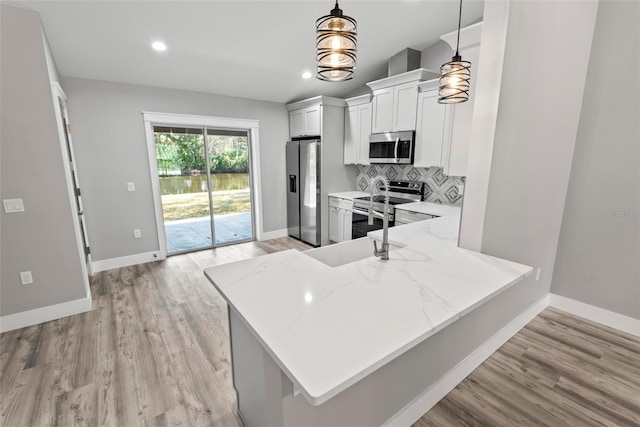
(340, 217)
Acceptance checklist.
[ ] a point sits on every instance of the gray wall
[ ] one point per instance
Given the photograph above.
(598, 259)
(544, 73)
(111, 149)
(51, 63)
(435, 55)
(430, 58)
(42, 239)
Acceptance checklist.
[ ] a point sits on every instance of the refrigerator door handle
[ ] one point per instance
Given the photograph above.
(292, 184)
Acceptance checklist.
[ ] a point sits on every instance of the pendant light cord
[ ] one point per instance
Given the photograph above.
(459, 22)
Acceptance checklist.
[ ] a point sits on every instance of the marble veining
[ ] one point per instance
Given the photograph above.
(328, 327)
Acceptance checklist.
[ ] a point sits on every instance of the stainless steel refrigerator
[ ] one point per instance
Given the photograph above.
(303, 189)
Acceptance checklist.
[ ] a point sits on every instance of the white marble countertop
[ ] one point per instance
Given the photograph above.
(349, 195)
(436, 209)
(329, 327)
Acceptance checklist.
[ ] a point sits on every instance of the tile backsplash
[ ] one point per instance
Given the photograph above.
(439, 188)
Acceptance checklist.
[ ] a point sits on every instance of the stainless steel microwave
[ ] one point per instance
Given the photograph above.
(392, 147)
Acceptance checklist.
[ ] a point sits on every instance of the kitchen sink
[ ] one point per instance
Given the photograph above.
(345, 252)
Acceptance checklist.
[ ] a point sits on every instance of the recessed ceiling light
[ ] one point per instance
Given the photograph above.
(159, 46)
(306, 75)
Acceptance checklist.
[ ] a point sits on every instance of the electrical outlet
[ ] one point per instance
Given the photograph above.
(137, 234)
(131, 186)
(461, 189)
(538, 271)
(26, 278)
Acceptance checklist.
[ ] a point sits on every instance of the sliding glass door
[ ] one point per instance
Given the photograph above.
(230, 183)
(205, 187)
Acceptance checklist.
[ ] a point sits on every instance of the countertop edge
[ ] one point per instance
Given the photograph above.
(318, 400)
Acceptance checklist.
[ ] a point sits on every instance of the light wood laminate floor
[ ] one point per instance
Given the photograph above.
(559, 370)
(154, 352)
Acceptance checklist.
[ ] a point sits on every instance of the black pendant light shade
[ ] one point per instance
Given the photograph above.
(455, 76)
(336, 46)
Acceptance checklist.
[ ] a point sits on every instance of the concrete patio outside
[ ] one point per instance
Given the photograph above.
(195, 233)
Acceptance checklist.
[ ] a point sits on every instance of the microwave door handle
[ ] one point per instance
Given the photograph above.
(395, 151)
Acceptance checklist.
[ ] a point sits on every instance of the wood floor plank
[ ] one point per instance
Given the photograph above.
(625, 350)
(486, 408)
(564, 337)
(541, 396)
(17, 352)
(622, 372)
(524, 371)
(438, 417)
(593, 329)
(575, 365)
(557, 371)
(154, 351)
(213, 338)
(79, 407)
(598, 402)
(513, 360)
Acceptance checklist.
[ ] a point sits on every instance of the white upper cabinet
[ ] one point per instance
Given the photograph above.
(357, 128)
(296, 123)
(405, 98)
(305, 121)
(433, 127)
(456, 149)
(382, 110)
(394, 108)
(395, 101)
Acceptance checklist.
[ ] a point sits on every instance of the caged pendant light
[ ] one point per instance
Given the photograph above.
(336, 46)
(455, 76)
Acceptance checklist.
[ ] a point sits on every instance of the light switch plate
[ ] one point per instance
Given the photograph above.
(131, 186)
(137, 234)
(26, 278)
(13, 205)
(461, 189)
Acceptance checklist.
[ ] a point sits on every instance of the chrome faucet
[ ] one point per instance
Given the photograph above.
(383, 253)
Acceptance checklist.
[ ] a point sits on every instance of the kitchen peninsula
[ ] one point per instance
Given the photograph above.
(335, 336)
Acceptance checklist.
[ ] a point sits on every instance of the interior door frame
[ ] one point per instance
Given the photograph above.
(251, 126)
(66, 147)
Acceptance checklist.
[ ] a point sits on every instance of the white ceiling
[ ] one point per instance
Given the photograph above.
(250, 49)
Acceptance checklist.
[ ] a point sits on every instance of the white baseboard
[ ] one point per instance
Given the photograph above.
(44, 314)
(268, 235)
(125, 261)
(421, 405)
(596, 314)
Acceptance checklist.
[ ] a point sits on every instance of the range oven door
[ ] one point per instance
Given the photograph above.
(391, 147)
(360, 225)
